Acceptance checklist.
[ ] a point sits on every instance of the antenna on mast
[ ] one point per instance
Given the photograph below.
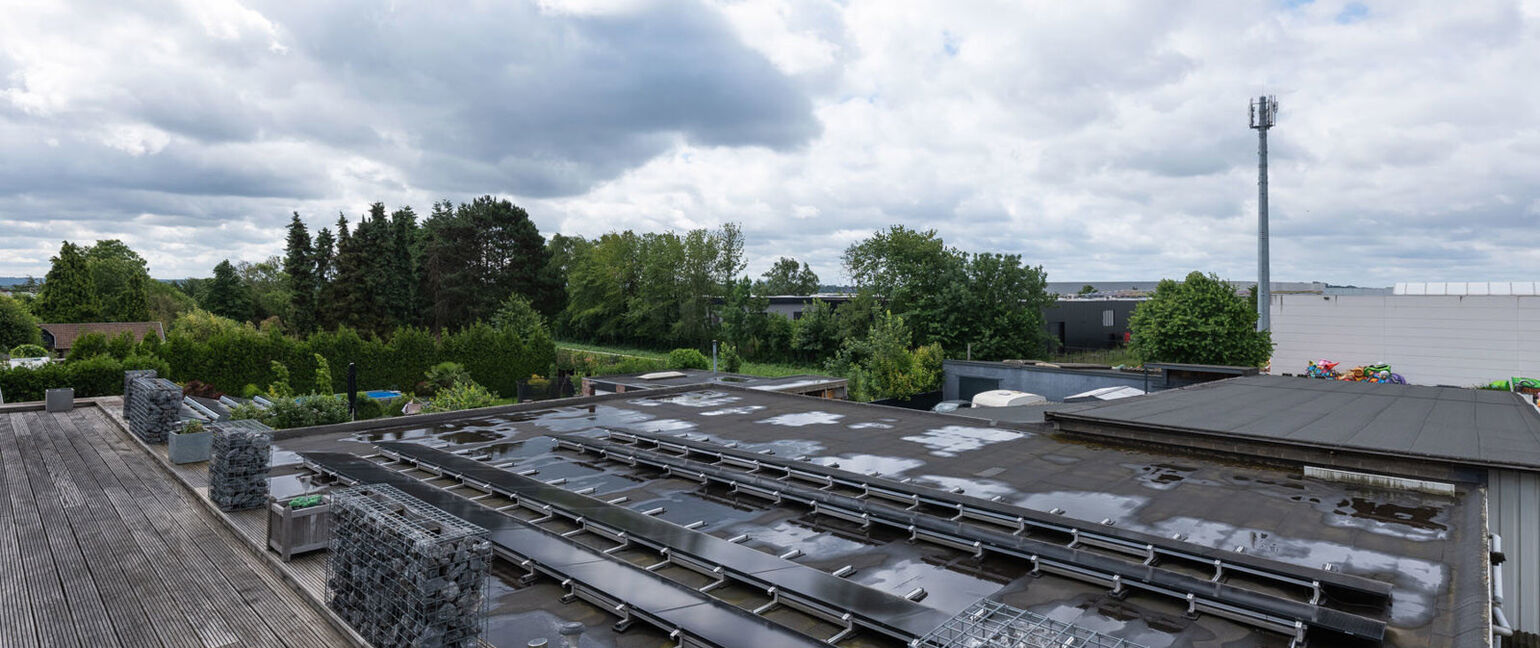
(1264, 113)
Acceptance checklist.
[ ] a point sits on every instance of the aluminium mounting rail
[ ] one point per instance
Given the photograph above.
(1206, 595)
(836, 600)
(632, 593)
(1348, 588)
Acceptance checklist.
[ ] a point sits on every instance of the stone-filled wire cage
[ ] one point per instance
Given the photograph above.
(404, 573)
(239, 462)
(991, 624)
(153, 407)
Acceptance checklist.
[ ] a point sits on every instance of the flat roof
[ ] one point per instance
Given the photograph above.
(1430, 549)
(1202, 368)
(1470, 426)
(704, 377)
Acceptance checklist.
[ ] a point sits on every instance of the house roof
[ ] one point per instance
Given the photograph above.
(1469, 426)
(64, 334)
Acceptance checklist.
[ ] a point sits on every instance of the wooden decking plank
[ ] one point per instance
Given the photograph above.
(88, 615)
(177, 517)
(50, 611)
(16, 625)
(106, 557)
(169, 617)
(275, 602)
(168, 559)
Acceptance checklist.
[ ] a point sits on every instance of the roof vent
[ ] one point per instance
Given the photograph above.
(661, 375)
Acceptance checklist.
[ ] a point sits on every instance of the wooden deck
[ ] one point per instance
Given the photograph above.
(100, 547)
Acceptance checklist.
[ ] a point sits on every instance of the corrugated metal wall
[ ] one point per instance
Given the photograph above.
(1513, 512)
(1430, 340)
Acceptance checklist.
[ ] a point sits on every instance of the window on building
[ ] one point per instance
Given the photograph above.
(1107, 317)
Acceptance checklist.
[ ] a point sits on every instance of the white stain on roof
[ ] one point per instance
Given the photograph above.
(950, 440)
(699, 399)
(744, 409)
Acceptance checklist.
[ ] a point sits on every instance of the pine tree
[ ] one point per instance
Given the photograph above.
(68, 294)
(300, 265)
(402, 294)
(322, 256)
(228, 296)
(334, 295)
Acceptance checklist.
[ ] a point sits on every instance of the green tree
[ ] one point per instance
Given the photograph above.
(299, 264)
(228, 296)
(166, 301)
(882, 364)
(1201, 321)
(787, 277)
(817, 335)
(268, 288)
(478, 253)
(518, 316)
(89, 345)
(68, 294)
(122, 279)
(744, 322)
(688, 359)
(17, 325)
(1087, 289)
(1002, 308)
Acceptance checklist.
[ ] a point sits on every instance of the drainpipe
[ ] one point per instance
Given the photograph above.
(713, 356)
(1500, 627)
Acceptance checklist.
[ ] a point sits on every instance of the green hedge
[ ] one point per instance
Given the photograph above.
(96, 376)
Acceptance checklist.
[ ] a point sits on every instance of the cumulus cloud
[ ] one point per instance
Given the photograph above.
(1103, 140)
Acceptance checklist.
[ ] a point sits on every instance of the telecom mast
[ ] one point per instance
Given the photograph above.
(1264, 113)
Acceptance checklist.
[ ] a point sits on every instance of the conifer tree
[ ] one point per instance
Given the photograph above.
(68, 294)
(300, 265)
(228, 296)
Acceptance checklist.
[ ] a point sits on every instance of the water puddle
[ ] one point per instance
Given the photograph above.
(1411, 522)
(287, 486)
(866, 464)
(800, 419)
(984, 488)
(1058, 459)
(1116, 619)
(1087, 505)
(1164, 476)
(946, 590)
(525, 449)
(468, 437)
(686, 507)
(743, 409)
(873, 425)
(953, 439)
(662, 425)
(697, 399)
(285, 458)
(418, 434)
(814, 544)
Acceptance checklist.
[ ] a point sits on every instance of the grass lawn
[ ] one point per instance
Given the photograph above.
(766, 369)
(1111, 357)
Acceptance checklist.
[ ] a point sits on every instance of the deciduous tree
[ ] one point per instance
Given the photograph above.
(1199, 320)
(68, 294)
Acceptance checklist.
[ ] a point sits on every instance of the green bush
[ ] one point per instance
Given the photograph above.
(687, 359)
(731, 361)
(191, 427)
(96, 376)
(444, 375)
(147, 362)
(29, 351)
(296, 412)
(465, 394)
(121, 345)
(88, 345)
(368, 408)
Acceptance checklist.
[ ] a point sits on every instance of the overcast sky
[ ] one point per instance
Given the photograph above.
(1103, 140)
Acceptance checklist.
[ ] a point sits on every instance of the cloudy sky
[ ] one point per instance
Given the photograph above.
(1103, 140)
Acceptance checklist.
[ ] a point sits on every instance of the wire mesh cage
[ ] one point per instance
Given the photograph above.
(405, 573)
(239, 463)
(990, 624)
(153, 408)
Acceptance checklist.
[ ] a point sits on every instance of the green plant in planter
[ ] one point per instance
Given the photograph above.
(191, 427)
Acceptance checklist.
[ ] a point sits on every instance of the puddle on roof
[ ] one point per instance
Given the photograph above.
(984, 488)
(799, 419)
(685, 507)
(873, 425)
(559, 468)
(468, 437)
(953, 439)
(946, 590)
(1418, 523)
(1115, 619)
(661, 425)
(519, 449)
(742, 409)
(283, 457)
(694, 399)
(1164, 476)
(864, 464)
(1062, 460)
(1414, 582)
(794, 534)
(415, 434)
(1090, 506)
(590, 417)
(286, 486)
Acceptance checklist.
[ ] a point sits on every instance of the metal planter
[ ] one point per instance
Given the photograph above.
(185, 448)
(61, 399)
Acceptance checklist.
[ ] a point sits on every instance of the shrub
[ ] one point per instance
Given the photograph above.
(368, 408)
(121, 346)
(29, 351)
(323, 375)
(393, 406)
(279, 388)
(88, 345)
(147, 362)
(445, 374)
(191, 427)
(465, 394)
(17, 325)
(731, 361)
(296, 412)
(687, 359)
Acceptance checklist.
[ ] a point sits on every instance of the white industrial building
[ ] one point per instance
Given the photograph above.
(1460, 334)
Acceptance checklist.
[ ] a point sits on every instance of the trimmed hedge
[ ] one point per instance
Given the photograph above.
(100, 375)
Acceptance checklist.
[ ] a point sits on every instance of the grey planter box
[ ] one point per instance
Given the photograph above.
(291, 531)
(189, 448)
(61, 399)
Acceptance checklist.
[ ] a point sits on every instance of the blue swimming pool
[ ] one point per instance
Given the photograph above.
(382, 394)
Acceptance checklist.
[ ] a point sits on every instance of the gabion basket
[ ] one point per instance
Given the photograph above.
(239, 462)
(153, 408)
(128, 386)
(991, 624)
(404, 573)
